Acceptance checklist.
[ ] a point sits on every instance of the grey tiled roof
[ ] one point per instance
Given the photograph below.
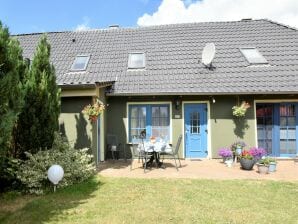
(173, 58)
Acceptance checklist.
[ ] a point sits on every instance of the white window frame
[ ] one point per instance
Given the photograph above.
(129, 60)
(86, 64)
(169, 103)
(261, 57)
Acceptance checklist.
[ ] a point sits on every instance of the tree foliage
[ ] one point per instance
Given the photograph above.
(39, 118)
(12, 73)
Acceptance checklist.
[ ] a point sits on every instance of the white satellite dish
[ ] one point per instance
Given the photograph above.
(208, 54)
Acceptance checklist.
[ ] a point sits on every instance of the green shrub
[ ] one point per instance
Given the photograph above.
(78, 166)
(8, 173)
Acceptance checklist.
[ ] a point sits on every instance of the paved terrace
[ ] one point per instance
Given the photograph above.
(287, 170)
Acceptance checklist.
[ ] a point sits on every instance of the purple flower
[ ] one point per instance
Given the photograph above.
(225, 152)
(257, 153)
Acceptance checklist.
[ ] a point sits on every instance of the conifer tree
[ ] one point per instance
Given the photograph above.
(39, 118)
(12, 71)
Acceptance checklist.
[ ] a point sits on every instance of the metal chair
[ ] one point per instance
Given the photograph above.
(170, 151)
(138, 152)
(114, 147)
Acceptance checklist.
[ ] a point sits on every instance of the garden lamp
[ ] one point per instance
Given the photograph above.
(55, 174)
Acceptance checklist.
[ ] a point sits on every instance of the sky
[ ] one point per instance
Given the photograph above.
(33, 16)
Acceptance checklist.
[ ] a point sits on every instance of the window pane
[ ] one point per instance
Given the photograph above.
(283, 121)
(195, 123)
(136, 60)
(137, 120)
(292, 121)
(80, 63)
(264, 126)
(253, 56)
(160, 121)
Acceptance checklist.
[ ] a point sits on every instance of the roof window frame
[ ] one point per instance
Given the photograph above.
(86, 63)
(263, 62)
(129, 67)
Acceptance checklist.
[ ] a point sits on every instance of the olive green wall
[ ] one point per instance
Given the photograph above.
(222, 131)
(73, 124)
(224, 128)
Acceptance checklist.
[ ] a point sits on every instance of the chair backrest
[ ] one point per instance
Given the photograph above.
(178, 144)
(134, 150)
(112, 139)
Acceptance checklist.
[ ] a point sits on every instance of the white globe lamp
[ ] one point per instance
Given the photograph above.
(55, 174)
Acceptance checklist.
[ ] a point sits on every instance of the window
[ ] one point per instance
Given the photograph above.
(253, 56)
(277, 128)
(155, 119)
(80, 63)
(136, 60)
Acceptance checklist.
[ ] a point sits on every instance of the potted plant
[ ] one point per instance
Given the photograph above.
(257, 153)
(237, 148)
(94, 110)
(240, 111)
(263, 165)
(226, 154)
(272, 164)
(246, 160)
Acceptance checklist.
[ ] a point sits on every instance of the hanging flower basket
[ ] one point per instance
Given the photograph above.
(94, 110)
(240, 111)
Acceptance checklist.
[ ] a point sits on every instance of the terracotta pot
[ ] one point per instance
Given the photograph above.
(247, 164)
(93, 118)
(263, 169)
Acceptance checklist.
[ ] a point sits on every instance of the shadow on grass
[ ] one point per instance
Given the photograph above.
(41, 209)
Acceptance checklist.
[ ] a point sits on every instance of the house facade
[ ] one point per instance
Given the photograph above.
(153, 79)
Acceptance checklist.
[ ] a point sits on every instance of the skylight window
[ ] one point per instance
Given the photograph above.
(253, 56)
(136, 60)
(80, 63)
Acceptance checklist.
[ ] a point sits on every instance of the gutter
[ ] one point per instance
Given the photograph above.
(77, 86)
(201, 94)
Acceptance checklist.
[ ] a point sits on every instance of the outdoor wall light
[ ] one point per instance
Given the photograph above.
(177, 103)
(212, 99)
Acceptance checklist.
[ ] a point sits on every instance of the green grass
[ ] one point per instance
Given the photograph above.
(124, 200)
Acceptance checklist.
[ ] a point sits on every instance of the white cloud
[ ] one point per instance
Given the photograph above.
(179, 11)
(83, 26)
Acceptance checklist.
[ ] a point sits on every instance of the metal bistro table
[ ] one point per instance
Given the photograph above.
(154, 148)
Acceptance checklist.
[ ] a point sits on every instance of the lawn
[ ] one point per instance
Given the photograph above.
(125, 200)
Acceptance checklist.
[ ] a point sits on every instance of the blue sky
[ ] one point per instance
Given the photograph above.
(29, 16)
(59, 15)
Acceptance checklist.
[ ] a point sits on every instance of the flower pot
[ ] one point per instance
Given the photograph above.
(238, 151)
(263, 169)
(272, 167)
(93, 118)
(247, 164)
(225, 159)
(229, 162)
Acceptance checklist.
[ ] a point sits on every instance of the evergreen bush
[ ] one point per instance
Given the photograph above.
(78, 166)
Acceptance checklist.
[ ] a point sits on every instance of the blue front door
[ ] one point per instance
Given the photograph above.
(195, 127)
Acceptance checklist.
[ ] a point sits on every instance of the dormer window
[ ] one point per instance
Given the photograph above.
(253, 56)
(80, 63)
(136, 60)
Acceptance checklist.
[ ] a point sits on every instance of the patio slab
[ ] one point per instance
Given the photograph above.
(287, 170)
